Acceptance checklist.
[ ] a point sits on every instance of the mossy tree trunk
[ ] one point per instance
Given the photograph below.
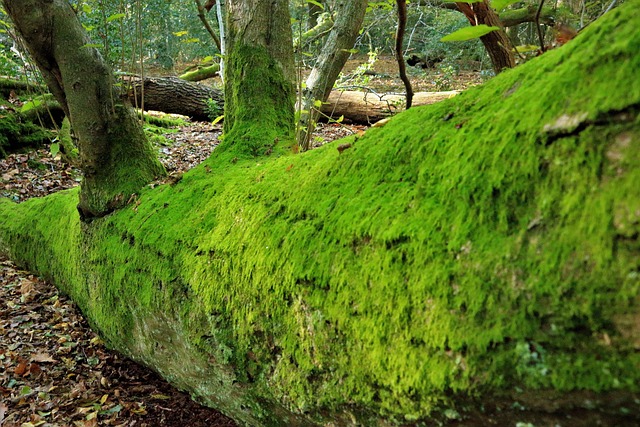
(259, 92)
(349, 16)
(115, 156)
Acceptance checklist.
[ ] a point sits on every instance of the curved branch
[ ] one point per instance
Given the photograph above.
(402, 23)
(205, 21)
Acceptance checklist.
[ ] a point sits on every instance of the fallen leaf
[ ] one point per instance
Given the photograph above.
(21, 368)
(43, 358)
(34, 369)
(3, 410)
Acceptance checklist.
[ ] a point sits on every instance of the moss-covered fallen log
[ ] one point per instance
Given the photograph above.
(483, 246)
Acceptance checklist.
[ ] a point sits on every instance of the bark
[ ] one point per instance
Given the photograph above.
(259, 76)
(355, 107)
(512, 17)
(368, 108)
(402, 23)
(348, 21)
(115, 156)
(175, 96)
(496, 43)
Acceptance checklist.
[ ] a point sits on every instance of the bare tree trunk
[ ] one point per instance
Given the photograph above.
(496, 43)
(115, 156)
(348, 21)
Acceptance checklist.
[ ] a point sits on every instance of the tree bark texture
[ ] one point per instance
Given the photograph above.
(115, 156)
(349, 16)
(496, 43)
(259, 74)
(175, 96)
(368, 108)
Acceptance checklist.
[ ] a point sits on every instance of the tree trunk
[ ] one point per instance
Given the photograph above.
(203, 17)
(336, 51)
(496, 43)
(115, 156)
(201, 73)
(259, 76)
(313, 12)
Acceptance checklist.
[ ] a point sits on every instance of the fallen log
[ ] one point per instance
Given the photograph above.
(436, 271)
(201, 73)
(173, 95)
(368, 107)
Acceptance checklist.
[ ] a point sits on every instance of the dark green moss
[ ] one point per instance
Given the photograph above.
(434, 260)
(18, 135)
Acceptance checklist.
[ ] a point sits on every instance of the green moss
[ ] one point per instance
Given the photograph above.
(18, 135)
(483, 244)
(258, 92)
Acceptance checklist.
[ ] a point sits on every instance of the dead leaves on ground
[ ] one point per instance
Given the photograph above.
(54, 371)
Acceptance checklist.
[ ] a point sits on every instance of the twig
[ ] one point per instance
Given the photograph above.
(540, 36)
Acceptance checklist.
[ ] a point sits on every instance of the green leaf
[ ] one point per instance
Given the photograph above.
(317, 103)
(501, 4)
(116, 16)
(206, 59)
(180, 33)
(316, 3)
(55, 149)
(86, 8)
(468, 33)
(217, 119)
(526, 48)
(191, 40)
(471, 1)
(27, 106)
(25, 390)
(113, 410)
(351, 50)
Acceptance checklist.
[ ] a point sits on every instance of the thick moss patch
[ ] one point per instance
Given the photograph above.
(481, 245)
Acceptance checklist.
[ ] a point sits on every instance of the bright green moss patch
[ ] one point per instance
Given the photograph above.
(481, 245)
